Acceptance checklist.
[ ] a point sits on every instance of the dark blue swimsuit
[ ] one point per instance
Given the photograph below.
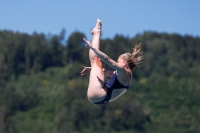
(111, 85)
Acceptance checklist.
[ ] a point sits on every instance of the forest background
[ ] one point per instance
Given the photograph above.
(41, 89)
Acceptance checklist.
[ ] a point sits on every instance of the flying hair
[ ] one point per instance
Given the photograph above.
(134, 60)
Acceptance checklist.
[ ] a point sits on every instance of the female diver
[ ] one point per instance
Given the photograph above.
(100, 92)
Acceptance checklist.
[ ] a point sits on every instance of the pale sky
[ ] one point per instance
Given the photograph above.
(124, 17)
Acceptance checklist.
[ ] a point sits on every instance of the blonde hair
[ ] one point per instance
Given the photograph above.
(134, 60)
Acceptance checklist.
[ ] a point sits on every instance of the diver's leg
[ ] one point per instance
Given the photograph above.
(96, 81)
(96, 32)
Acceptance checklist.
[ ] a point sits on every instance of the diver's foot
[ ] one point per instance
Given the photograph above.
(97, 28)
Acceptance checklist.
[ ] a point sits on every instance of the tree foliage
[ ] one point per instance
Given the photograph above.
(40, 85)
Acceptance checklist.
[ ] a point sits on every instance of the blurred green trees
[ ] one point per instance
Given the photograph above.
(41, 89)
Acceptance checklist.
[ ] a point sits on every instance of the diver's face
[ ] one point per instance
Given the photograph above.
(120, 59)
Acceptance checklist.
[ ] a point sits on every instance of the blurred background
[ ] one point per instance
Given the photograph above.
(42, 54)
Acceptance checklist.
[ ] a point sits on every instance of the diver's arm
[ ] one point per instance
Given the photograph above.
(108, 73)
(105, 58)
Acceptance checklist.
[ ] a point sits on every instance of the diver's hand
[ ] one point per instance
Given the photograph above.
(85, 70)
(88, 43)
